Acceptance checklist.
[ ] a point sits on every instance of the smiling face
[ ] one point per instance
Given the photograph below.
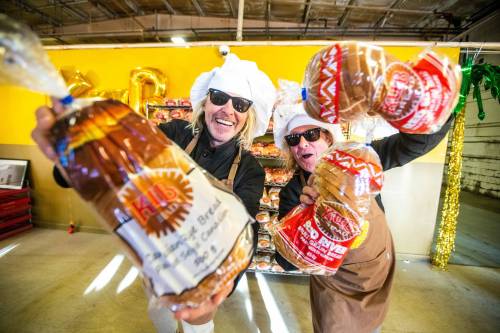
(223, 122)
(306, 153)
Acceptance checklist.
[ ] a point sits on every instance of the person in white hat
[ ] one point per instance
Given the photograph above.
(302, 137)
(232, 104)
(356, 298)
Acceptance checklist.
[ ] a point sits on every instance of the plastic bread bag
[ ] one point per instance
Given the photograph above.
(349, 80)
(186, 232)
(317, 238)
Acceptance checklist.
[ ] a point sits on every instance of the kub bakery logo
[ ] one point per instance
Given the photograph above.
(159, 199)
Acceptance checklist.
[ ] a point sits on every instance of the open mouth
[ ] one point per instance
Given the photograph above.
(306, 156)
(224, 122)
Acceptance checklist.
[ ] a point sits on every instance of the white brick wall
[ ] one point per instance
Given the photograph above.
(481, 155)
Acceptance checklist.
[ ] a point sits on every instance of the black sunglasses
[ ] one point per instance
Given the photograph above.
(310, 135)
(220, 98)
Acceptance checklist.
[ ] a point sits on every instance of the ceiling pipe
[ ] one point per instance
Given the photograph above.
(485, 47)
(333, 32)
(239, 31)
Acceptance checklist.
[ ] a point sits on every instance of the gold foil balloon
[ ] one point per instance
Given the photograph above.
(95, 93)
(118, 94)
(78, 84)
(145, 83)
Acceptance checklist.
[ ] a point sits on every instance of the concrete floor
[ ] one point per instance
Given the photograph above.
(46, 285)
(478, 231)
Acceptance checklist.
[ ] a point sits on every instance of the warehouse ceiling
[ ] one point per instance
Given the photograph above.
(139, 21)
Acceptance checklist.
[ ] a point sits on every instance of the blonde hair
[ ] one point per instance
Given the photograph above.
(244, 137)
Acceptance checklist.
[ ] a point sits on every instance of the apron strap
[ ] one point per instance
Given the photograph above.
(194, 141)
(302, 178)
(234, 168)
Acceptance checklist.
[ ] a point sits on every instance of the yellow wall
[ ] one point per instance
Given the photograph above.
(109, 69)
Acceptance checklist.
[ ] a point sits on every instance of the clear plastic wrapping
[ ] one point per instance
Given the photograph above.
(317, 238)
(189, 235)
(24, 62)
(350, 80)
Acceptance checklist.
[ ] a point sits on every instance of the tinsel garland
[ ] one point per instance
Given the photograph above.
(447, 231)
(471, 75)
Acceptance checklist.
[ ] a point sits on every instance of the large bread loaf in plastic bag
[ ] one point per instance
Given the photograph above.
(349, 80)
(189, 235)
(317, 238)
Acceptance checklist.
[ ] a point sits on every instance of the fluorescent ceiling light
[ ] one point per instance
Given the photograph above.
(178, 40)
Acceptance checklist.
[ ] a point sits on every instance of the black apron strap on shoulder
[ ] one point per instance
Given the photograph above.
(194, 141)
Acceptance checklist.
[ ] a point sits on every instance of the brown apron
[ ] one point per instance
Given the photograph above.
(356, 298)
(229, 182)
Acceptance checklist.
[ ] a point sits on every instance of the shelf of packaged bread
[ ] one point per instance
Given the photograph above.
(275, 184)
(172, 109)
(266, 250)
(270, 158)
(268, 209)
(264, 231)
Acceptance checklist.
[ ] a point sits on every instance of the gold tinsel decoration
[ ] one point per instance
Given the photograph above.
(448, 227)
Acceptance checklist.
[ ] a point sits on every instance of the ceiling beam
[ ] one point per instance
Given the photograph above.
(70, 9)
(357, 7)
(103, 8)
(231, 7)
(134, 6)
(198, 8)
(169, 7)
(493, 17)
(307, 10)
(52, 4)
(345, 15)
(30, 9)
(381, 21)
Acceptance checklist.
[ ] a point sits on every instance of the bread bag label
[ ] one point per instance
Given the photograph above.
(436, 95)
(307, 238)
(178, 245)
(404, 90)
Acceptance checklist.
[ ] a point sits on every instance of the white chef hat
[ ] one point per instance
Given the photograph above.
(290, 116)
(240, 77)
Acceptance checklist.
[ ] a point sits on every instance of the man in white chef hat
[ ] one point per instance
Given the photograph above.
(232, 105)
